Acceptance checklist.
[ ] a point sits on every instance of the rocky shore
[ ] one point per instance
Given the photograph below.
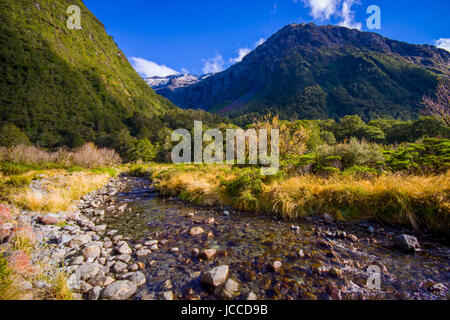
(190, 259)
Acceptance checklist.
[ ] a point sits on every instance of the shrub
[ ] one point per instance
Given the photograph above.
(426, 156)
(143, 150)
(353, 153)
(87, 156)
(10, 136)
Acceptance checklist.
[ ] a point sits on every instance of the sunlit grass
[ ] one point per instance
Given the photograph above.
(61, 193)
(416, 201)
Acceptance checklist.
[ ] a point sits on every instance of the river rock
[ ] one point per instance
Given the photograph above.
(80, 240)
(407, 242)
(133, 267)
(195, 231)
(87, 271)
(49, 219)
(120, 267)
(150, 243)
(167, 285)
(99, 213)
(207, 254)
(352, 238)
(328, 218)
(123, 248)
(119, 290)
(137, 278)
(76, 261)
(168, 295)
(230, 289)
(216, 277)
(251, 296)
(124, 258)
(100, 228)
(95, 293)
(91, 252)
(276, 265)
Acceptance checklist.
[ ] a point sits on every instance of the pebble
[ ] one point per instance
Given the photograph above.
(276, 265)
(195, 231)
(207, 254)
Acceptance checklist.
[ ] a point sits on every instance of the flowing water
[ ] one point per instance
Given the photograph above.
(316, 260)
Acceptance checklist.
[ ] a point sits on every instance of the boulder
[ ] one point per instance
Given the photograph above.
(119, 290)
(407, 243)
(137, 278)
(216, 277)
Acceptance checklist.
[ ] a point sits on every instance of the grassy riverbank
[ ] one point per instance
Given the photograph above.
(417, 201)
(42, 182)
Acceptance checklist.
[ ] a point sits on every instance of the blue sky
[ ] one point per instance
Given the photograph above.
(199, 36)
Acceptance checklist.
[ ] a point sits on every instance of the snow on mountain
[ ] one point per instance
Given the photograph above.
(174, 82)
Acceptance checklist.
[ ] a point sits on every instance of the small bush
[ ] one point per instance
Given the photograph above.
(353, 153)
(87, 156)
(10, 135)
(428, 156)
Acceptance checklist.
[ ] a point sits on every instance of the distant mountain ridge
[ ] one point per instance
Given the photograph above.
(309, 71)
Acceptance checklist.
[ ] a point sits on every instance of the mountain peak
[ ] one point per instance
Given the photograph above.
(310, 71)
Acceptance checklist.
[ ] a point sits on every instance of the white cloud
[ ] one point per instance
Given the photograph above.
(321, 9)
(443, 43)
(349, 16)
(325, 9)
(149, 69)
(214, 65)
(242, 53)
(184, 71)
(259, 42)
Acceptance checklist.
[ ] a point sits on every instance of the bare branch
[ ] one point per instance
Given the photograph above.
(439, 107)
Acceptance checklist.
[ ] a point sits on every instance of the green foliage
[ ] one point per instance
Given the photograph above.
(144, 150)
(10, 136)
(289, 77)
(428, 156)
(5, 275)
(353, 153)
(65, 87)
(248, 179)
(112, 172)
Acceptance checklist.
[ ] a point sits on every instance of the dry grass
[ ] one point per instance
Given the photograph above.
(61, 192)
(87, 156)
(416, 201)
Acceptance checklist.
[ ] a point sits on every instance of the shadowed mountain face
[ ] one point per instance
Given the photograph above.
(309, 71)
(62, 86)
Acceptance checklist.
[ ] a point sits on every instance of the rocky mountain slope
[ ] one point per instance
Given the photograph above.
(309, 71)
(62, 86)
